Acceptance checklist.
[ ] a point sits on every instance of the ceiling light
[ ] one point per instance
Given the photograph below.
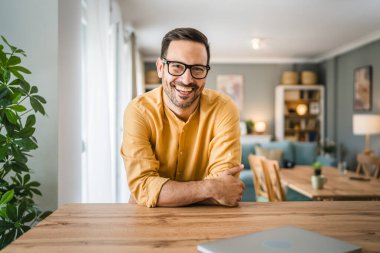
(256, 43)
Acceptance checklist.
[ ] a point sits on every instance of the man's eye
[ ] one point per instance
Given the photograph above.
(177, 66)
(198, 69)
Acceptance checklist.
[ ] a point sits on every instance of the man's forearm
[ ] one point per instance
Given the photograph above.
(175, 193)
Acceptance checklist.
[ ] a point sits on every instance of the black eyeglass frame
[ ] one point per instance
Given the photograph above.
(165, 61)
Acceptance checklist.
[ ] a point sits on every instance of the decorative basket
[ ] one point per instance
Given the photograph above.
(289, 77)
(308, 77)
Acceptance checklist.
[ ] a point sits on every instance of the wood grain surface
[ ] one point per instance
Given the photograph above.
(338, 187)
(131, 228)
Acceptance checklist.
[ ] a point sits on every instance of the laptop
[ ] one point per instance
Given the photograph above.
(288, 239)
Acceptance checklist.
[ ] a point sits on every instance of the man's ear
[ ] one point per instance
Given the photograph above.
(160, 67)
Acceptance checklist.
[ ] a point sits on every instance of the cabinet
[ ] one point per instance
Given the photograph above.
(299, 112)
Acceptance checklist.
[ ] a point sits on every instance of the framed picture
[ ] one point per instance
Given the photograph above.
(314, 108)
(232, 85)
(363, 88)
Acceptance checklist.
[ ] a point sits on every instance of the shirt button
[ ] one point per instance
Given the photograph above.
(180, 152)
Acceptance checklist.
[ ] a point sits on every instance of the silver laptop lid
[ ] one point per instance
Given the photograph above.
(287, 239)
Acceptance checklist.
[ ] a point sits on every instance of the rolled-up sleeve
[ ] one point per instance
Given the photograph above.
(225, 149)
(140, 162)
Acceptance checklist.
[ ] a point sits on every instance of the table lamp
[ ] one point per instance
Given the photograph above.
(260, 127)
(366, 124)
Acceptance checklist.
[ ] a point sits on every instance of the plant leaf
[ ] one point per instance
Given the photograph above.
(22, 209)
(25, 86)
(21, 69)
(5, 225)
(11, 116)
(9, 45)
(26, 178)
(37, 106)
(18, 108)
(36, 191)
(33, 90)
(29, 217)
(44, 215)
(16, 74)
(8, 196)
(9, 237)
(30, 121)
(3, 92)
(39, 98)
(3, 152)
(14, 60)
(11, 212)
(6, 75)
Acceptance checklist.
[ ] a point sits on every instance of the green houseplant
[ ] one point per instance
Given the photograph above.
(19, 104)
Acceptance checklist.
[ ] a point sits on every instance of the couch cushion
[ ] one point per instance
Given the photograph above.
(271, 154)
(247, 177)
(246, 150)
(286, 146)
(305, 152)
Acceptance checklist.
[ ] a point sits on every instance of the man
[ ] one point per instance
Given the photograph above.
(181, 142)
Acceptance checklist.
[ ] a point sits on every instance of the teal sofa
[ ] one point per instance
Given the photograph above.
(299, 153)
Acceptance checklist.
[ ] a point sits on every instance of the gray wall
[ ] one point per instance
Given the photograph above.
(33, 26)
(339, 73)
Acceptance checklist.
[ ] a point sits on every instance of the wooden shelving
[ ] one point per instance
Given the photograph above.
(288, 123)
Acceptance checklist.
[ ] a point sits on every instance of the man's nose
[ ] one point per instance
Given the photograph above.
(186, 77)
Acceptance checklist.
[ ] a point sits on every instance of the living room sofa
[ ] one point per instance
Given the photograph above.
(295, 153)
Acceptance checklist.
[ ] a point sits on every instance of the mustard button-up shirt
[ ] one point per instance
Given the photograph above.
(158, 146)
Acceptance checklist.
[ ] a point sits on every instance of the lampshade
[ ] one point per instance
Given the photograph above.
(364, 124)
(301, 109)
(260, 127)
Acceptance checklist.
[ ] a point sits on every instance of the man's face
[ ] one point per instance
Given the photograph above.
(183, 90)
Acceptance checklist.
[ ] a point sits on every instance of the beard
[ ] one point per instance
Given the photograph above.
(182, 102)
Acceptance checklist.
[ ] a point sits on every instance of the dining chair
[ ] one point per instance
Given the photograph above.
(266, 179)
(272, 168)
(259, 178)
(365, 162)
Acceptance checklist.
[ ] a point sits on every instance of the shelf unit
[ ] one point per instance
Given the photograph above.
(289, 125)
(151, 86)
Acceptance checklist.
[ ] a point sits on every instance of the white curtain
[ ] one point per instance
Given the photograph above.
(113, 76)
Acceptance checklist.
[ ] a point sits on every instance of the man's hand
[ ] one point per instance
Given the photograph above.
(227, 189)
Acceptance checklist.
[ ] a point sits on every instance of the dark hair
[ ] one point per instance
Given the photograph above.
(190, 34)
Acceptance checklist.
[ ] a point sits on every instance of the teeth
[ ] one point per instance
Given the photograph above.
(181, 88)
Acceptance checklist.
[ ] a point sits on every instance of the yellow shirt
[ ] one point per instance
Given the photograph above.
(158, 146)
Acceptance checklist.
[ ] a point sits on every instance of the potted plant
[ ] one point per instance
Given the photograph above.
(318, 180)
(19, 104)
(328, 147)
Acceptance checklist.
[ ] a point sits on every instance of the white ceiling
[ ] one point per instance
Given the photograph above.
(293, 30)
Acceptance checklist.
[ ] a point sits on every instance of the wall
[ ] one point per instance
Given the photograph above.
(340, 76)
(33, 26)
(70, 78)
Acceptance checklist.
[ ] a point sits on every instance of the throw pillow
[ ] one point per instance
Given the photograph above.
(305, 152)
(271, 154)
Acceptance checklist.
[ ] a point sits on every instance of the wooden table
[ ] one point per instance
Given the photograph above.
(338, 187)
(128, 228)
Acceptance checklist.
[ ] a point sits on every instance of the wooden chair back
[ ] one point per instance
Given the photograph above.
(260, 179)
(273, 170)
(365, 162)
(266, 178)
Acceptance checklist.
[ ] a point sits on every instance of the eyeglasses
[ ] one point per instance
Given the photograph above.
(176, 68)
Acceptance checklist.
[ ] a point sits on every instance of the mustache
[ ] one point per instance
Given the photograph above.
(191, 85)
